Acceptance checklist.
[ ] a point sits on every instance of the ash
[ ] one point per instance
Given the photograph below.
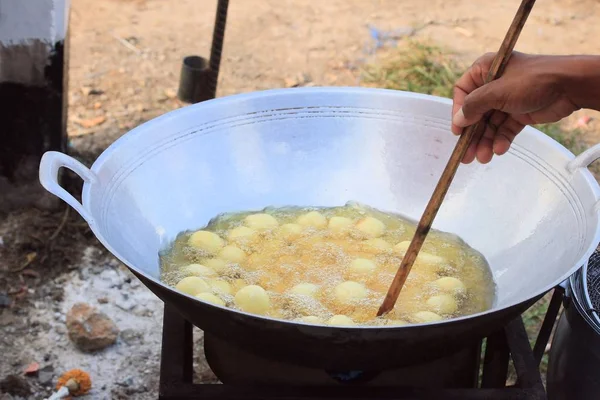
(128, 369)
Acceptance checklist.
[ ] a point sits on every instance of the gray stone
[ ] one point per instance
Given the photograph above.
(131, 336)
(46, 375)
(127, 382)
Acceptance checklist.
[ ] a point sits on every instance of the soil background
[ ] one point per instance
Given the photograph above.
(125, 59)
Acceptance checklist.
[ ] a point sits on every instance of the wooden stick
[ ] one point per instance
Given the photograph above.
(496, 70)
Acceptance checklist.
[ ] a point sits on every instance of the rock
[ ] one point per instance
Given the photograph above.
(127, 382)
(88, 91)
(298, 80)
(463, 31)
(89, 329)
(60, 329)
(15, 385)
(90, 122)
(5, 300)
(112, 277)
(143, 312)
(7, 318)
(125, 304)
(170, 93)
(46, 375)
(103, 300)
(131, 336)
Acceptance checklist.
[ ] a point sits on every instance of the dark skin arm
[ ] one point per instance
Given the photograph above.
(534, 89)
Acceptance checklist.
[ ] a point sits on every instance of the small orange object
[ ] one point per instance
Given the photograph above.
(78, 382)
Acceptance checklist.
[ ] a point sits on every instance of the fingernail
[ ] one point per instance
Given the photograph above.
(459, 119)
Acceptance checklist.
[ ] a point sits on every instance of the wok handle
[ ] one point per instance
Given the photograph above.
(584, 159)
(51, 163)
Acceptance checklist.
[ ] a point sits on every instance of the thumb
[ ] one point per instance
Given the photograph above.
(491, 96)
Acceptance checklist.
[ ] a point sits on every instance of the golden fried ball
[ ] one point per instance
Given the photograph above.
(425, 317)
(206, 241)
(450, 285)
(199, 270)
(350, 292)
(261, 222)
(232, 254)
(339, 225)
(220, 286)
(376, 245)
(241, 234)
(192, 285)
(216, 264)
(340, 320)
(290, 232)
(311, 319)
(442, 303)
(306, 289)
(210, 298)
(312, 219)
(370, 227)
(362, 266)
(253, 299)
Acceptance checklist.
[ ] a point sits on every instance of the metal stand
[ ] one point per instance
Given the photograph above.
(510, 343)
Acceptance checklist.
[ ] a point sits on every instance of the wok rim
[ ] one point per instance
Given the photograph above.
(350, 90)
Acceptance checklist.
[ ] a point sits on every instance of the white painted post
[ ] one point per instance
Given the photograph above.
(33, 61)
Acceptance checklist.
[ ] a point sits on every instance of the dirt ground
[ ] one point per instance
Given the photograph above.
(125, 58)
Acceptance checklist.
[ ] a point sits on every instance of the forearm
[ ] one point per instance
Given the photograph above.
(581, 80)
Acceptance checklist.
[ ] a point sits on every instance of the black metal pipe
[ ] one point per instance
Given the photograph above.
(193, 80)
(217, 47)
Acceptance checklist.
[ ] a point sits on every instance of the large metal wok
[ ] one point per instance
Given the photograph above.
(533, 213)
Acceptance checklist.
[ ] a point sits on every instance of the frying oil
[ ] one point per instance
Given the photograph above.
(322, 257)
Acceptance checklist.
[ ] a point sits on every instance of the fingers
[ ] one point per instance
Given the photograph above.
(458, 100)
(505, 135)
(491, 96)
(496, 138)
(473, 99)
(472, 79)
(471, 152)
(485, 147)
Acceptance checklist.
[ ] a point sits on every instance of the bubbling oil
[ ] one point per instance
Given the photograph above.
(327, 266)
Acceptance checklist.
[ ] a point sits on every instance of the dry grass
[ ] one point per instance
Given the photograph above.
(415, 67)
(422, 67)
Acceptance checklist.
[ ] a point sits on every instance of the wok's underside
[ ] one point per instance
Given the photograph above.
(338, 349)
